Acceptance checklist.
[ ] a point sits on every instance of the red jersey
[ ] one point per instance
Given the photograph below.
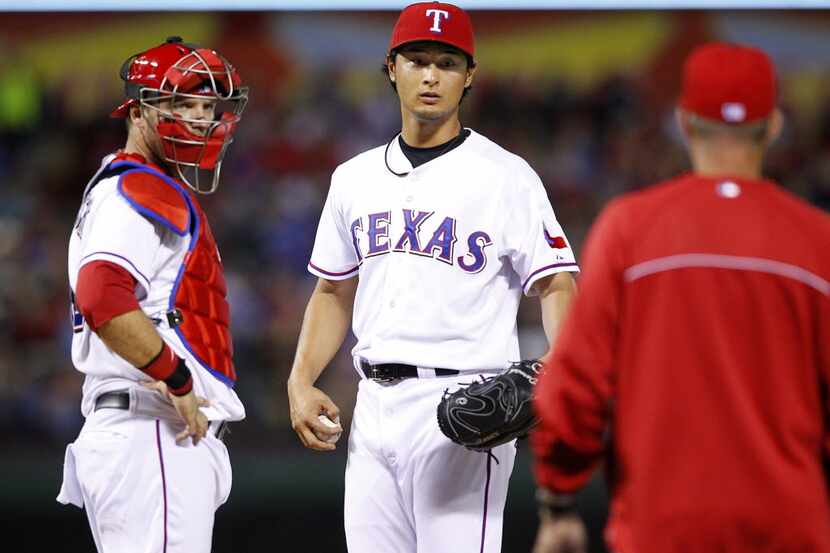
(696, 357)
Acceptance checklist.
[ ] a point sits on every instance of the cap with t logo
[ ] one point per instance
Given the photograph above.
(434, 22)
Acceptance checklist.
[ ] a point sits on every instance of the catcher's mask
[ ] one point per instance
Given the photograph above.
(170, 75)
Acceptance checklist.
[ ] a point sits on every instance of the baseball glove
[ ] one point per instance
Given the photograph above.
(492, 411)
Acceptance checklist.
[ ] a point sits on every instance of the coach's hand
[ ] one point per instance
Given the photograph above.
(307, 403)
(561, 535)
(187, 406)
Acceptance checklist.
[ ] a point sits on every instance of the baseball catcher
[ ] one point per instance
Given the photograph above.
(492, 411)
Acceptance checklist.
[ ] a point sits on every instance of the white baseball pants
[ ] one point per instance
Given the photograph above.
(409, 489)
(143, 492)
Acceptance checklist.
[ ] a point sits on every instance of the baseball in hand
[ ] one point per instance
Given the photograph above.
(332, 424)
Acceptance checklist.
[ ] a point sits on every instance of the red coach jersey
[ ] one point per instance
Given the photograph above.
(697, 355)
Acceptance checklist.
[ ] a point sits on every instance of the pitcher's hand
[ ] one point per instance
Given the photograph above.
(307, 403)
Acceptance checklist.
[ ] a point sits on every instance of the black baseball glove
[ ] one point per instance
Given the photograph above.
(492, 411)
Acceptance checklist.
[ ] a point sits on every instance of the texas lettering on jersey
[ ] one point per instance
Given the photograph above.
(371, 238)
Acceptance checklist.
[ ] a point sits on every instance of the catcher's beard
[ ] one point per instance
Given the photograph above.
(152, 141)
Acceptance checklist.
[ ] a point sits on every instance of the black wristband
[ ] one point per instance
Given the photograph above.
(554, 504)
(180, 382)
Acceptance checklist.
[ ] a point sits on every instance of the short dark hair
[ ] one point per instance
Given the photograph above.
(755, 132)
(392, 53)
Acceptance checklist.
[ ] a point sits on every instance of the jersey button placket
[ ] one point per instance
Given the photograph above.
(409, 188)
(392, 291)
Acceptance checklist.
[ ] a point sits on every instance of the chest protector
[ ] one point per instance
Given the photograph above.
(198, 308)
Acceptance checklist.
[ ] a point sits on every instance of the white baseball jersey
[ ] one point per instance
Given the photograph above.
(109, 229)
(443, 253)
(142, 491)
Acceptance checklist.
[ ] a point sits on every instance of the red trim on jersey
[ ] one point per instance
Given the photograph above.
(104, 290)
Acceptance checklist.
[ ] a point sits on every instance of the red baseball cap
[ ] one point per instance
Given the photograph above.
(435, 22)
(730, 83)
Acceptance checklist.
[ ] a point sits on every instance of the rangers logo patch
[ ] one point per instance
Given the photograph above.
(556, 242)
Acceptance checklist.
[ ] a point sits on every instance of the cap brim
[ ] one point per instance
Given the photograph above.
(121, 111)
(430, 38)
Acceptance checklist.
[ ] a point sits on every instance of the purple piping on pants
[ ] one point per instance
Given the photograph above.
(486, 493)
(164, 484)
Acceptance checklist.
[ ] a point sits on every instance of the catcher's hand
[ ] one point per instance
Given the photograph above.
(493, 411)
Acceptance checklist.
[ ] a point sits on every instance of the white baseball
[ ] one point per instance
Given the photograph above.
(331, 424)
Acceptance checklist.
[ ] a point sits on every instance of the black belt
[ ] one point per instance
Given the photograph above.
(113, 400)
(121, 400)
(386, 372)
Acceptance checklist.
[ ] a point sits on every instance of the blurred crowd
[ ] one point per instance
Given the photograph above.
(587, 146)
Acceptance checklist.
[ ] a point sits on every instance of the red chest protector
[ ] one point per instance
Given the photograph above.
(200, 291)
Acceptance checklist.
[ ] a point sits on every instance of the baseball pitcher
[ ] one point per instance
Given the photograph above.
(425, 245)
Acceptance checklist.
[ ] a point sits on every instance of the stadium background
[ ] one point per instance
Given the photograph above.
(586, 97)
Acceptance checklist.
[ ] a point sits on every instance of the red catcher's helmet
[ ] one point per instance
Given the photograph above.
(167, 75)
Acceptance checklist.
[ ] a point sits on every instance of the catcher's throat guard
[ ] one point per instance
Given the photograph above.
(492, 411)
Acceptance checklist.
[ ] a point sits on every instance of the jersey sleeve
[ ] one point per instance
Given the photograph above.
(534, 240)
(335, 255)
(118, 234)
(573, 397)
(104, 291)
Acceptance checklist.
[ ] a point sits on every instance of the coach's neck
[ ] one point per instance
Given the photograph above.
(713, 158)
(718, 150)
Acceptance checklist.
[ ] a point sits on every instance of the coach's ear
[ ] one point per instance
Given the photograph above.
(774, 127)
(682, 119)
